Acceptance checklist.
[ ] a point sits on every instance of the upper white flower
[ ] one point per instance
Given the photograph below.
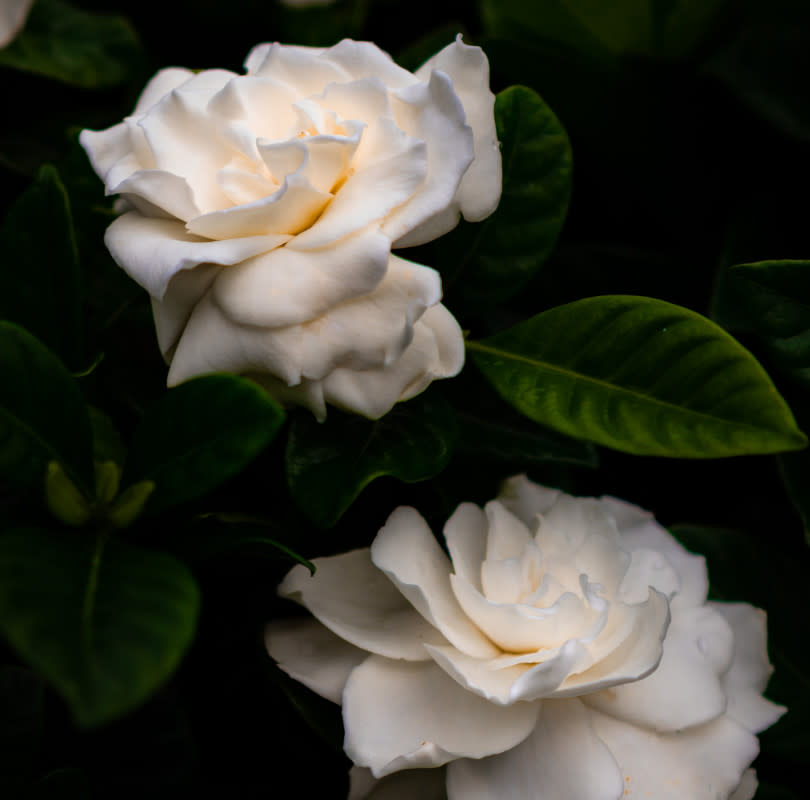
(260, 212)
(564, 651)
(13, 14)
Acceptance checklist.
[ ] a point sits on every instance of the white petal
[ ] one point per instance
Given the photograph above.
(153, 251)
(626, 653)
(384, 177)
(468, 69)
(13, 14)
(407, 552)
(171, 314)
(313, 655)
(648, 568)
(640, 530)
(289, 210)
(750, 668)
(401, 715)
(287, 286)
(426, 784)
(163, 82)
(358, 603)
(702, 763)
(432, 113)
(519, 628)
(366, 60)
(436, 351)
(106, 148)
(563, 759)
(466, 536)
(507, 536)
(747, 788)
(154, 192)
(685, 689)
(306, 69)
(526, 499)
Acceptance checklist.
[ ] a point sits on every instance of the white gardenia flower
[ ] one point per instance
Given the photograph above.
(13, 15)
(260, 211)
(564, 651)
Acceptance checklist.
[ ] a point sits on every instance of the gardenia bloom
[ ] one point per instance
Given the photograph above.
(260, 211)
(564, 651)
(13, 14)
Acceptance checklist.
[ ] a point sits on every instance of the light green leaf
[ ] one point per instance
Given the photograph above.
(104, 622)
(74, 46)
(200, 434)
(639, 375)
(328, 464)
(42, 415)
(489, 261)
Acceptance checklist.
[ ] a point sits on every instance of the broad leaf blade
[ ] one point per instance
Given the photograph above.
(39, 278)
(490, 261)
(200, 434)
(328, 464)
(639, 375)
(74, 46)
(104, 622)
(42, 415)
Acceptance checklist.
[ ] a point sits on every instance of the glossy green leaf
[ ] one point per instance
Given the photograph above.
(39, 271)
(73, 46)
(639, 375)
(200, 434)
(42, 415)
(771, 299)
(328, 464)
(489, 261)
(104, 622)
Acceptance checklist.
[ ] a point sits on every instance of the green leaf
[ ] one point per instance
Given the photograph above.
(107, 442)
(488, 262)
(200, 434)
(104, 622)
(74, 46)
(639, 375)
(39, 277)
(42, 415)
(771, 299)
(63, 498)
(328, 464)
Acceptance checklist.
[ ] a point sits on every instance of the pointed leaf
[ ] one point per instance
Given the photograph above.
(639, 375)
(328, 464)
(39, 272)
(489, 261)
(42, 415)
(104, 622)
(200, 434)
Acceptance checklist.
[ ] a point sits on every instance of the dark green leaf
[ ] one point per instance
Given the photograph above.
(74, 46)
(639, 375)
(200, 434)
(490, 261)
(62, 784)
(328, 464)
(39, 277)
(42, 415)
(104, 622)
(771, 299)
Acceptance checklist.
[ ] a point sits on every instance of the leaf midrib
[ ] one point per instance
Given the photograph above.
(614, 387)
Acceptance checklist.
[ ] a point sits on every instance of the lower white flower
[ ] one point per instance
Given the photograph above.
(564, 651)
